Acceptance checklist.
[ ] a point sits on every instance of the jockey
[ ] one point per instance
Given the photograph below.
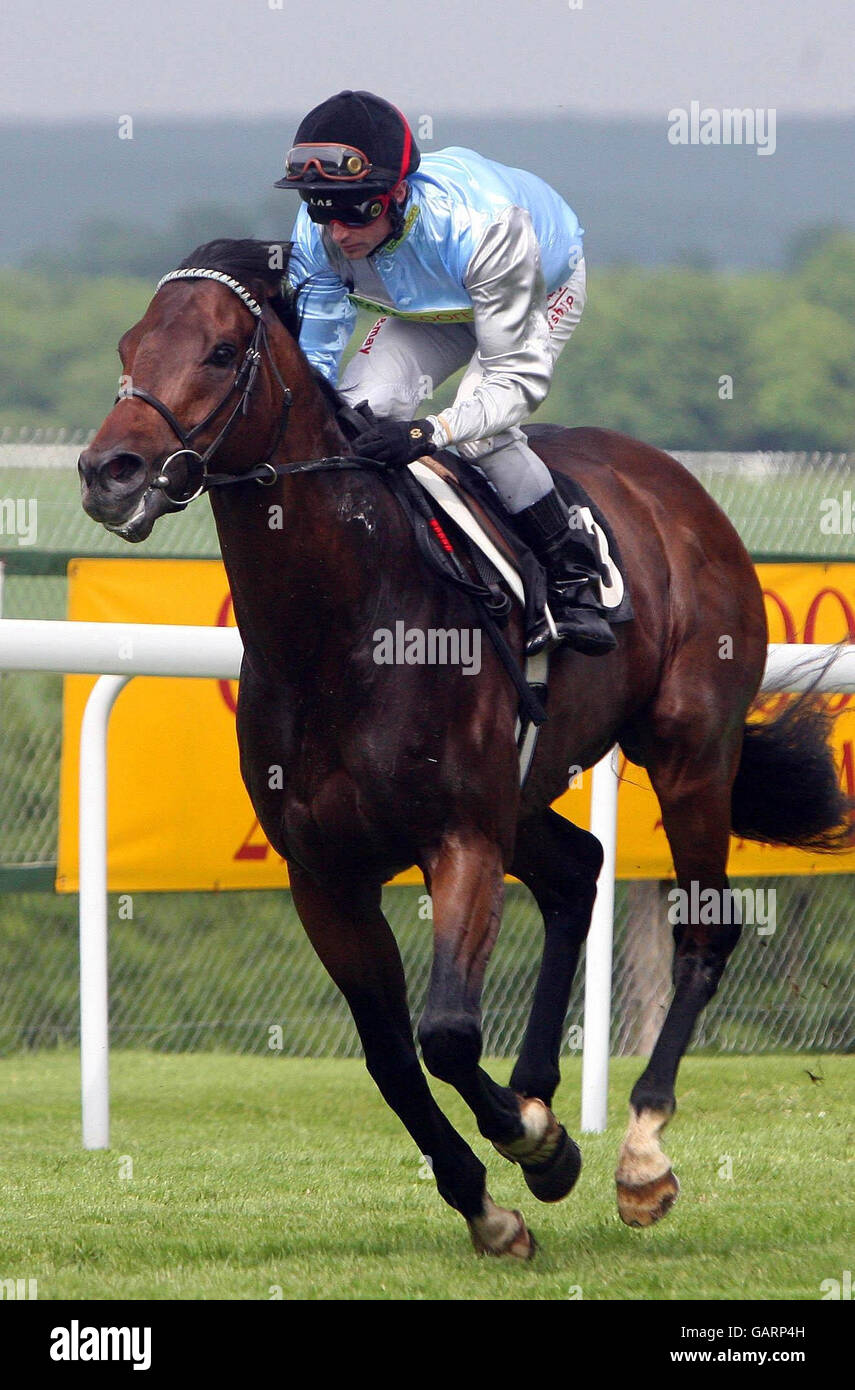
(467, 262)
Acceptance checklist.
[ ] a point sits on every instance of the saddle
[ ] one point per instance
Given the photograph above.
(476, 527)
(474, 492)
(485, 531)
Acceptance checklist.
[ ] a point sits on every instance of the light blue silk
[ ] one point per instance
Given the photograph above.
(455, 196)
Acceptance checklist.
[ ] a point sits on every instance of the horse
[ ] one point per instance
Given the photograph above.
(359, 769)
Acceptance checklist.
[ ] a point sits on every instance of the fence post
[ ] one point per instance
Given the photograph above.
(94, 1007)
(598, 952)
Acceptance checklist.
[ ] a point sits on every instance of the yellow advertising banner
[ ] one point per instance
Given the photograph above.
(180, 819)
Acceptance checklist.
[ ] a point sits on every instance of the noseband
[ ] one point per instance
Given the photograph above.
(242, 387)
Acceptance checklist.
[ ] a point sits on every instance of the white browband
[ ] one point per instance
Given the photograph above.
(252, 304)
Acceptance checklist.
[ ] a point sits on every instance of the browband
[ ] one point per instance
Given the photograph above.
(190, 274)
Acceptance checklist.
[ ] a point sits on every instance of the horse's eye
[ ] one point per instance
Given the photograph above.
(223, 355)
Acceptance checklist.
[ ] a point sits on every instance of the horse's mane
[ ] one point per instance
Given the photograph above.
(245, 260)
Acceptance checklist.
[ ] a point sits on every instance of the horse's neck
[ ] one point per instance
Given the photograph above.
(293, 560)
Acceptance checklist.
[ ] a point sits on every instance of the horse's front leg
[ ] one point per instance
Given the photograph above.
(466, 880)
(357, 947)
(559, 864)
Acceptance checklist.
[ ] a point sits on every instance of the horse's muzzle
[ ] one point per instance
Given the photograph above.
(114, 488)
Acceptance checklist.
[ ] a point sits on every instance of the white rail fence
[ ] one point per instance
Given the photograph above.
(118, 651)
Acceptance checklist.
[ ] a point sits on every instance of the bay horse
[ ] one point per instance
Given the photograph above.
(383, 766)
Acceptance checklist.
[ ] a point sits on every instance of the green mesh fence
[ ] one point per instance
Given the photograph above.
(235, 970)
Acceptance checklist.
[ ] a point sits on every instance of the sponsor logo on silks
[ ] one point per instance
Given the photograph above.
(423, 315)
(558, 304)
(367, 345)
(76, 1343)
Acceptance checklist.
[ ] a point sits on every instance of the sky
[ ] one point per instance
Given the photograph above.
(81, 59)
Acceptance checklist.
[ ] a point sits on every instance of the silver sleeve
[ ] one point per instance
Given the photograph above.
(505, 282)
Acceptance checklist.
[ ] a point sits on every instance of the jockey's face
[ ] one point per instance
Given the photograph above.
(358, 242)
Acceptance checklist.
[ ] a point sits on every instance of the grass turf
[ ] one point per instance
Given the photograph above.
(252, 1175)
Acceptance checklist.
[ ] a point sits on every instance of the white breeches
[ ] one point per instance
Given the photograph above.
(402, 361)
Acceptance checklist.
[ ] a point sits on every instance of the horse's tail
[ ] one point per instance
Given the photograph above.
(787, 790)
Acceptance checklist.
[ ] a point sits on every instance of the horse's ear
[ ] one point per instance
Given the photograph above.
(263, 290)
(267, 284)
(278, 255)
(272, 285)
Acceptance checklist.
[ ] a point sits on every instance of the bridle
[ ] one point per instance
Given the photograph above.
(242, 387)
(265, 473)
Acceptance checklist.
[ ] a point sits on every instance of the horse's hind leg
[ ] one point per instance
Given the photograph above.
(354, 941)
(692, 779)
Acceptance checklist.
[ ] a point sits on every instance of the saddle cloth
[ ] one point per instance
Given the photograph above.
(518, 566)
(453, 485)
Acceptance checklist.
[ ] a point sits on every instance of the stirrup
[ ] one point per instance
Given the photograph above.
(583, 629)
(544, 635)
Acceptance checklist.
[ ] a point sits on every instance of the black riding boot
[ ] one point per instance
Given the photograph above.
(572, 579)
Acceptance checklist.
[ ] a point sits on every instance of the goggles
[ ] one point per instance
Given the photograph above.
(339, 162)
(327, 210)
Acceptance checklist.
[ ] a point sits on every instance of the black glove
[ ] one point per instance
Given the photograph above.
(395, 442)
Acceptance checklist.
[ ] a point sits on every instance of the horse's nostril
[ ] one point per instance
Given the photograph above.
(121, 468)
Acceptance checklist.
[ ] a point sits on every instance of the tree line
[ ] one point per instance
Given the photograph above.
(683, 358)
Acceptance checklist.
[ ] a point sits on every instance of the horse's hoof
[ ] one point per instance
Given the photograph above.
(644, 1204)
(551, 1181)
(501, 1232)
(549, 1158)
